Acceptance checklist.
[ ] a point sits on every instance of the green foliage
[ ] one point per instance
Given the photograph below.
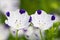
(22, 38)
(56, 24)
(2, 18)
(53, 32)
(50, 6)
(11, 37)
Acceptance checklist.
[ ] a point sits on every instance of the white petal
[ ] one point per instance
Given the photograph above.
(18, 20)
(29, 31)
(42, 21)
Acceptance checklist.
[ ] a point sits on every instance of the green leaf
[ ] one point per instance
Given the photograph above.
(2, 18)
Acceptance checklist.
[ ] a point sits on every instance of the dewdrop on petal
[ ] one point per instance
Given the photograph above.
(42, 20)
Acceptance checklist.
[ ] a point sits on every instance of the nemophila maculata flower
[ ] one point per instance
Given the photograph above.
(29, 34)
(32, 33)
(17, 19)
(42, 20)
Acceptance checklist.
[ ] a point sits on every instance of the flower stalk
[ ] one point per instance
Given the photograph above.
(41, 37)
(16, 34)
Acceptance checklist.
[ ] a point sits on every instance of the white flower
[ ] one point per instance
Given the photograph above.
(42, 20)
(29, 33)
(3, 33)
(18, 19)
(32, 33)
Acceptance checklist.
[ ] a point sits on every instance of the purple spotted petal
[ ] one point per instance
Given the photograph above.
(8, 14)
(22, 11)
(7, 26)
(39, 12)
(30, 19)
(53, 17)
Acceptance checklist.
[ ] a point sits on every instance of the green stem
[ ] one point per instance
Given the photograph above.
(17, 35)
(41, 35)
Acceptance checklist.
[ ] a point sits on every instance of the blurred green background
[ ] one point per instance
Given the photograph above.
(50, 6)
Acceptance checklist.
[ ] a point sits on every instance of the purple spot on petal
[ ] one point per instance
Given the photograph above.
(22, 11)
(30, 19)
(36, 35)
(39, 12)
(13, 31)
(7, 26)
(53, 17)
(8, 14)
(25, 30)
(27, 36)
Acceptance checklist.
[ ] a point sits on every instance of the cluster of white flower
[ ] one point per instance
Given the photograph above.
(20, 20)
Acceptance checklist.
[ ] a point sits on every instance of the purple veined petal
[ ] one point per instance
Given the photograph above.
(21, 11)
(39, 12)
(7, 26)
(52, 17)
(8, 14)
(30, 19)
